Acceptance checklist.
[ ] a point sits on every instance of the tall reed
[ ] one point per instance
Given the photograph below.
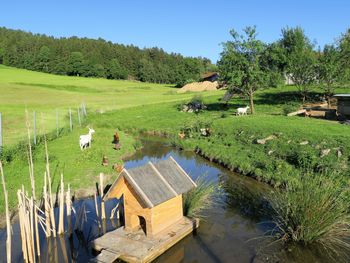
(315, 210)
(200, 198)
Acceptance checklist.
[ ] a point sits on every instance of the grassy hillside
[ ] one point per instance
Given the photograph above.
(45, 93)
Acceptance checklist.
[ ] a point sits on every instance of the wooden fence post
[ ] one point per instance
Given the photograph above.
(70, 119)
(34, 128)
(61, 205)
(8, 223)
(57, 124)
(103, 211)
(0, 133)
(79, 117)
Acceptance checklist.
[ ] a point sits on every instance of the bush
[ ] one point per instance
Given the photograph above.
(313, 210)
(196, 99)
(290, 107)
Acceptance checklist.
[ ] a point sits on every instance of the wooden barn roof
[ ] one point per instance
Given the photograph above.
(208, 74)
(158, 182)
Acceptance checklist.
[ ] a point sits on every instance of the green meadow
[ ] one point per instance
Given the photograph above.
(135, 108)
(45, 93)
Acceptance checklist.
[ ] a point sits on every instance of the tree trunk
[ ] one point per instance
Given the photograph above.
(251, 101)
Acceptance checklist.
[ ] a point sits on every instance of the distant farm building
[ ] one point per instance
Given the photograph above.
(343, 104)
(152, 195)
(210, 76)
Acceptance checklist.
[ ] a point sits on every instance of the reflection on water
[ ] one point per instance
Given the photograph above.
(231, 232)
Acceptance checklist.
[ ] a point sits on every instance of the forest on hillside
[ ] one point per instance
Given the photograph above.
(86, 57)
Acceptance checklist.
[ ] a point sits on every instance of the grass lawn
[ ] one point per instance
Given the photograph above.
(46, 93)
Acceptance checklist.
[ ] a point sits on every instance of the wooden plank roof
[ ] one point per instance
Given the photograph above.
(158, 182)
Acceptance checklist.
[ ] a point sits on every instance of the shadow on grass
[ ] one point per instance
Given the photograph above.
(286, 97)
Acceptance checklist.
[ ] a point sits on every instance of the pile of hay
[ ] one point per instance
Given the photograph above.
(200, 86)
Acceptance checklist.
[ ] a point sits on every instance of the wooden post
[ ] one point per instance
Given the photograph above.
(52, 214)
(57, 123)
(34, 128)
(21, 224)
(31, 214)
(69, 210)
(47, 208)
(103, 212)
(96, 205)
(37, 237)
(68, 201)
(8, 223)
(79, 117)
(70, 120)
(61, 219)
(0, 132)
(30, 157)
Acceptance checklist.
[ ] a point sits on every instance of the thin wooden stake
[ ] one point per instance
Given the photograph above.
(21, 224)
(8, 223)
(68, 201)
(30, 157)
(103, 212)
(52, 214)
(61, 219)
(96, 205)
(37, 237)
(69, 210)
(31, 213)
(79, 117)
(47, 208)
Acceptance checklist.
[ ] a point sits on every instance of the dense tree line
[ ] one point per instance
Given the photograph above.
(96, 58)
(247, 64)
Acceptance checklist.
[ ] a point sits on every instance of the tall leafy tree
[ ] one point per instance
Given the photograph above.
(344, 46)
(329, 70)
(301, 60)
(75, 64)
(116, 71)
(43, 59)
(240, 63)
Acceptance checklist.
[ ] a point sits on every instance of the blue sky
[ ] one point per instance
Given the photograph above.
(192, 28)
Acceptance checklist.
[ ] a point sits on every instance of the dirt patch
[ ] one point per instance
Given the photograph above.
(199, 86)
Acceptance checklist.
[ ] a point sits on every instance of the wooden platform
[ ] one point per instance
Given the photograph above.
(136, 247)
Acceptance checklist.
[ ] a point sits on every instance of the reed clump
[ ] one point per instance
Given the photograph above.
(314, 210)
(200, 198)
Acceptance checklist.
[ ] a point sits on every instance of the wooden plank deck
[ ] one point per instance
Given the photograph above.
(135, 247)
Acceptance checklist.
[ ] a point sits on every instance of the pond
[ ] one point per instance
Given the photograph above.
(233, 229)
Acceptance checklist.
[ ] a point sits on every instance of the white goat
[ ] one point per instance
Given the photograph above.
(242, 111)
(85, 140)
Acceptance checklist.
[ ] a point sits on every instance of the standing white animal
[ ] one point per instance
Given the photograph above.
(242, 111)
(85, 140)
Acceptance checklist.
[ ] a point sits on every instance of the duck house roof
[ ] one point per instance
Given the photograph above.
(158, 182)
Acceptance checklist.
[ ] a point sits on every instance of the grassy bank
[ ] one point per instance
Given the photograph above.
(298, 142)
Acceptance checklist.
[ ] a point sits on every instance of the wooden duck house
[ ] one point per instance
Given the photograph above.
(152, 195)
